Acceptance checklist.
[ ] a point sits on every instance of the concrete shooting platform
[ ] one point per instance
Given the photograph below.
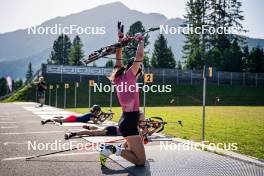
(20, 123)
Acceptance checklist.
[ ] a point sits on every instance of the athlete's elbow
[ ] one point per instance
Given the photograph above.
(140, 56)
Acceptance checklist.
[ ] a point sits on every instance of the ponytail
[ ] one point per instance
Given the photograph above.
(116, 73)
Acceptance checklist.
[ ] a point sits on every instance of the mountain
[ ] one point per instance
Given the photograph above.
(18, 48)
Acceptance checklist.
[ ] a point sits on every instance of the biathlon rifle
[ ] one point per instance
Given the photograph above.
(111, 49)
(158, 123)
(106, 115)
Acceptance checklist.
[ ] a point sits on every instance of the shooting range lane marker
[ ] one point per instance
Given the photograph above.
(102, 139)
(8, 127)
(56, 113)
(50, 156)
(33, 132)
(4, 118)
(49, 112)
(45, 108)
(26, 122)
(15, 143)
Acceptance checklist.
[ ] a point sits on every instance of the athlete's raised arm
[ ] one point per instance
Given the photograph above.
(120, 34)
(139, 54)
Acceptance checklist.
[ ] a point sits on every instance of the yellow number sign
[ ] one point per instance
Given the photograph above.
(210, 72)
(91, 83)
(66, 86)
(148, 77)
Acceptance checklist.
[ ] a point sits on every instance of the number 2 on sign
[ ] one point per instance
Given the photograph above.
(148, 77)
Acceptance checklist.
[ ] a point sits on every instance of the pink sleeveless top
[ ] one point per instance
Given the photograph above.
(129, 96)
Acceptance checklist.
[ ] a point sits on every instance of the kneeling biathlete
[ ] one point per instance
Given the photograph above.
(130, 103)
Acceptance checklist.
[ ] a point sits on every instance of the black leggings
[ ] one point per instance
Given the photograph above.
(128, 124)
(111, 131)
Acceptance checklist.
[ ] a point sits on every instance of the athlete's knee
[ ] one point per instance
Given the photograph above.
(140, 163)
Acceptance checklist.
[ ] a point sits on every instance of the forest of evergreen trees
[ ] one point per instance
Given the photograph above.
(226, 52)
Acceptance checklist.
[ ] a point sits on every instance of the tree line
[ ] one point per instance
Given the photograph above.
(66, 53)
(225, 51)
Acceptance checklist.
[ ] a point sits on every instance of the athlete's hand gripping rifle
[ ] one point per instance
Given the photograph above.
(103, 116)
(111, 49)
(155, 123)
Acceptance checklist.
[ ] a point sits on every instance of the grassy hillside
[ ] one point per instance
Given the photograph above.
(26, 93)
(181, 95)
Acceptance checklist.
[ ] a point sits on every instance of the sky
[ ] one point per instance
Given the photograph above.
(20, 14)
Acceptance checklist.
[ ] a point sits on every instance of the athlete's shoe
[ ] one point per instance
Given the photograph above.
(69, 135)
(107, 149)
(60, 122)
(102, 159)
(43, 122)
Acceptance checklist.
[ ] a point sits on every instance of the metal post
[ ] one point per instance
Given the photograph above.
(218, 79)
(45, 97)
(61, 75)
(49, 96)
(75, 95)
(204, 97)
(89, 96)
(65, 96)
(56, 98)
(144, 101)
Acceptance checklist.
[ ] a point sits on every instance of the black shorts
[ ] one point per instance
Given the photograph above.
(41, 94)
(111, 131)
(128, 124)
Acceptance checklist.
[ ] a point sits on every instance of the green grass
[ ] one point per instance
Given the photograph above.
(243, 125)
